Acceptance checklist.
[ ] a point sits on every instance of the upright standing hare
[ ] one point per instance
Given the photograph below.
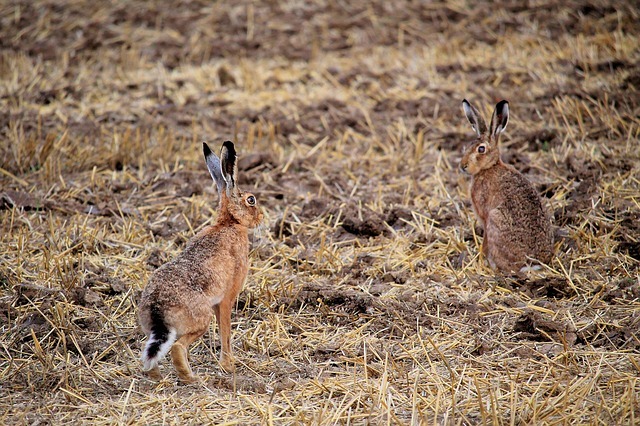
(517, 229)
(183, 295)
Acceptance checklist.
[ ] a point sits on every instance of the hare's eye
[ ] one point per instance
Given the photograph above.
(251, 200)
(482, 149)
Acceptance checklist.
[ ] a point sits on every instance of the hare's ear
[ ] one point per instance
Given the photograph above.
(213, 164)
(500, 118)
(229, 166)
(474, 117)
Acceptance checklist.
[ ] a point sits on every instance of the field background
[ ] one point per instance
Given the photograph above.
(366, 302)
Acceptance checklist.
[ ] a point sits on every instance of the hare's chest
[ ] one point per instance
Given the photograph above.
(480, 199)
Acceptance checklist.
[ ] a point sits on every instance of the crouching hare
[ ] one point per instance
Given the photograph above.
(517, 228)
(182, 296)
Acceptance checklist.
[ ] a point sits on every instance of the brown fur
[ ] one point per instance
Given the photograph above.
(517, 228)
(203, 281)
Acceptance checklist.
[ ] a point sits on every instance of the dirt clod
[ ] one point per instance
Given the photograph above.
(533, 326)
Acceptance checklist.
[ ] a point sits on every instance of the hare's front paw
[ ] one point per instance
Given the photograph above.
(227, 364)
(154, 374)
(189, 378)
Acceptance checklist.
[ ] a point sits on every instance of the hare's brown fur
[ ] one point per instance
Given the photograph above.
(183, 295)
(517, 228)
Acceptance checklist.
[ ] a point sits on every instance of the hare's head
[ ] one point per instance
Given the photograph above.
(483, 152)
(236, 206)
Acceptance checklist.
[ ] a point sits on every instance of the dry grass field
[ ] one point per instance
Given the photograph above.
(366, 301)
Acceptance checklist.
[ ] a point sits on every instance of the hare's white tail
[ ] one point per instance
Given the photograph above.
(159, 343)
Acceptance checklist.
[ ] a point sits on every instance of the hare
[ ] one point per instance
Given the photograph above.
(182, 295)
(517, 228)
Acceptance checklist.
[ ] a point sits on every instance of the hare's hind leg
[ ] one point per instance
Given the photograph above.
(155, 374)
(180, 356)
(223, 318)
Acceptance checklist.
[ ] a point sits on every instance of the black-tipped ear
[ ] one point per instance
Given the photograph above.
(477, 122)
(228, 161)
(500, 118)
(213, 164)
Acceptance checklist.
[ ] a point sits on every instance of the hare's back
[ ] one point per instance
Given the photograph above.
(522, 200)
(529, 223)
(183, 297)
(166, 284)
